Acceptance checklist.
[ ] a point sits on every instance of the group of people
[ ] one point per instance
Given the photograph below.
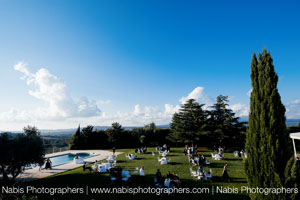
(174, 180)
(171, 179)
(219, 155)
(190, 150)
(199, 160)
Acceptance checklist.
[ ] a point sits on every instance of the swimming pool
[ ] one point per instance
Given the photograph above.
(65, 158)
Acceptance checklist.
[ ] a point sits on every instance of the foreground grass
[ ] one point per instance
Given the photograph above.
(179, 164)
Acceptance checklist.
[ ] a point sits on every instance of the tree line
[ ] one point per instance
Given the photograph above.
(192, 124)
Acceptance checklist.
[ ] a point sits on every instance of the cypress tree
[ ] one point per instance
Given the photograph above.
(75, 141)
(267, 138)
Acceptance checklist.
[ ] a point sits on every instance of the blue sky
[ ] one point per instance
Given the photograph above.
(133, 61)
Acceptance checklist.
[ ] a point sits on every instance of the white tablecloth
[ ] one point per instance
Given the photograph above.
(104, 167)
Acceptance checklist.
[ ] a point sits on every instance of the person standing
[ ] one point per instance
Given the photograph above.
(158, 176)
(142, 175)
(114, 150)
(48, 164)
(225, 173)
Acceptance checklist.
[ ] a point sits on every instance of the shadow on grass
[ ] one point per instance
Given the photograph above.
(216, 165)
(238, 180)
(232, 159)
(174, 163)
(121, 161)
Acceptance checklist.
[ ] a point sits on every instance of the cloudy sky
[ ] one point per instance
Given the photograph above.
(64, 63)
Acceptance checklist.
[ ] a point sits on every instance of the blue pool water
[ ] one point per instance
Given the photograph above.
(65, 158)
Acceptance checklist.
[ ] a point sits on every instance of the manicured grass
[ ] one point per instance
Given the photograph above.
(178, 164)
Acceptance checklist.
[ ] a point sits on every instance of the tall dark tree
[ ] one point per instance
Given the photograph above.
(266, 141)
(224, 126)
(189, 124)
(76, 140)
(86, 134)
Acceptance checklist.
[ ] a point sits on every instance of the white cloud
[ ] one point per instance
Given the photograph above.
(249, 93)
(62, 111)
(101, 102)
(196, 94)
(54, 93)
(199, 95)
(293, 109)
(144, 115)
(241, 110)
(21, 66)
(170, 109)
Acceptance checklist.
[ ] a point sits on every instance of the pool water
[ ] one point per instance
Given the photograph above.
(65, 158)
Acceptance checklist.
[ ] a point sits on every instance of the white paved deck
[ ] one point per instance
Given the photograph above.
(33, 174)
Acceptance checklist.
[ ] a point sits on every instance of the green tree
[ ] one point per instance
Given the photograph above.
(114, 133)
(267, 138)
(86, 134)
(189, 124)
(20, 151)
(149, 135)
(76, 140)
(225, 128)
(150, 127)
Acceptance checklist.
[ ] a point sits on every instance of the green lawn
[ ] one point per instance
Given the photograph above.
(179, 164)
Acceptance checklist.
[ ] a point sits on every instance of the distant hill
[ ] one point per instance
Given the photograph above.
(53, 132)
(292, 122)
(72, 131)
(289, 122)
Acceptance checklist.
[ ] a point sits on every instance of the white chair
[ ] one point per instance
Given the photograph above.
(217, 157)
(114, 164)
(164, 162)
(236, 154)
(153, 154)
(193, 173)
(201, 175)
(111, 159)
(130, 156)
